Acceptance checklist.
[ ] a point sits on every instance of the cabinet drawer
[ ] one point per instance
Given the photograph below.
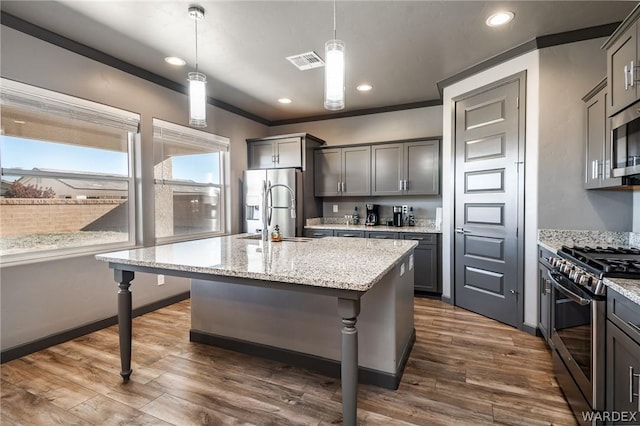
(382, 235)
(624, 313)
(356, 234)
(318, 233)
(421, 238)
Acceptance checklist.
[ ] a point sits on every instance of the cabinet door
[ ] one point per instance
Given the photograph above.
(426, 268)
(596, 119)
(422, 167)
(327, 172)
(621, 56)
(261, 155)
(288, 153)
(544, 302)
(623, 373)
(356, 170)
(387, 171)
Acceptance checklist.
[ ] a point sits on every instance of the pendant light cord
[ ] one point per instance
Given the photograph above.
(334, 19)
(196, 19)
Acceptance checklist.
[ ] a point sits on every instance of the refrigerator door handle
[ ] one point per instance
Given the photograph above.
(270, 205)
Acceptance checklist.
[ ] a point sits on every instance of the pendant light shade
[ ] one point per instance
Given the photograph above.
(197, 81)
(197, 99)
(334, 75)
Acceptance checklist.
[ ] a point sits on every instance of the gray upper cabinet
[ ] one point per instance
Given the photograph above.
(343, 171)
(409, 168)
(280, 152)
(622, 64)
(598, 147)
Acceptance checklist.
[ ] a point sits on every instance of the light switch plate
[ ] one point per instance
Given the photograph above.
(335, 208)
(160, 279)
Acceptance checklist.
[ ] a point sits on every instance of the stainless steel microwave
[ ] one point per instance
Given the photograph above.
(625, 142)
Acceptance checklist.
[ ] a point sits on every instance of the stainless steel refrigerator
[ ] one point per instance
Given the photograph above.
(279, 202)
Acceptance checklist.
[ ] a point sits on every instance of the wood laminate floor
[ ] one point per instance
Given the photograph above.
(464, 369)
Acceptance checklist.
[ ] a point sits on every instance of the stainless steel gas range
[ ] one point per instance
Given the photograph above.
(578, 317)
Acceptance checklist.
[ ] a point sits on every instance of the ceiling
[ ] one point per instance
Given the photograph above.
(402, 48)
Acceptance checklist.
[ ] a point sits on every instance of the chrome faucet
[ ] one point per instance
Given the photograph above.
(266, 205)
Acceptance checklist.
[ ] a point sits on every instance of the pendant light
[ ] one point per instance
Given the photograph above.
(334, 70)
(197, 81)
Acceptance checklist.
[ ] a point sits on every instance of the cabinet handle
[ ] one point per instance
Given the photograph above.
(317, 234)
(626, 78)
(632, 71)
(631, 394)
(343, 187)
(416, 238)
(278, 158)
(400, 185)
(594, 169)
(406, 185)
(381, 237)
(338, 186)
(349, 235)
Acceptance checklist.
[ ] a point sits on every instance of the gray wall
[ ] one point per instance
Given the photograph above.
(44, 298)
(567, 73)
(388, 126)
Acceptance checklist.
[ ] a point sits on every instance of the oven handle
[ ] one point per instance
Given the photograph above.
(570, 294)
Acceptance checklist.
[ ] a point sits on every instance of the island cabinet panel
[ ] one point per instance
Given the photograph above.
(299, 327)
(318, 233)
(427, 262)
(343, 171)
(409, 168)
(623, 357)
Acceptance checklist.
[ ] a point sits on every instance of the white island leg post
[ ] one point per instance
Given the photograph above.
(124, 278)
(349, 310)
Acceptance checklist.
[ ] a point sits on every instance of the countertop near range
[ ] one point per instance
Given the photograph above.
(553, 240)
(377, 228)
(336, 263)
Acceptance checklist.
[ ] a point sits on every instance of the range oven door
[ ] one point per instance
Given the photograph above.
(578, 321)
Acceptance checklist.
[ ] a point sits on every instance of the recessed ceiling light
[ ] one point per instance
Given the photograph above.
(174, 60)
(500, 18)
(365, 87)
(284, 100)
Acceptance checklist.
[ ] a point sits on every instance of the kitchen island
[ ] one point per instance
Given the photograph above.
(346, 270)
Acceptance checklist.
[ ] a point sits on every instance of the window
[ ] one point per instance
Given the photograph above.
(189, 178)
(66, 174)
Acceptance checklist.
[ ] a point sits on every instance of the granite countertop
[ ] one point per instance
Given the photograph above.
(338, 263)
(378, 228)
(553, 240)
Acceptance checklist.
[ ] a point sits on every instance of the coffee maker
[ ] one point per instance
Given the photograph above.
(397, 215)
(372, 215)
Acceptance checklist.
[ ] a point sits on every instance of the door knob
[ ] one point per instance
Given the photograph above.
(460, 230)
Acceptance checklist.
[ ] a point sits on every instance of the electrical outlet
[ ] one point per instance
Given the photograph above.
(405, 209)
(335, 208)
(160, 279)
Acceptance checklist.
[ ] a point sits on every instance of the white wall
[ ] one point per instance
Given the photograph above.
(44, 298)
(529, 63)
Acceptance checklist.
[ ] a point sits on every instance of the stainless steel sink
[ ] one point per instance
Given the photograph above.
(290, 239)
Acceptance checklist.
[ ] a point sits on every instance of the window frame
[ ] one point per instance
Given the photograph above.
(47, 97)
(201, 139)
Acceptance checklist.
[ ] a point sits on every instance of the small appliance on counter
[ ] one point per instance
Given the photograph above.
(372, 215)
(397, 215)
(411, 220)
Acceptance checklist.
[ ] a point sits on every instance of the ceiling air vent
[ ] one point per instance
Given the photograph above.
(306, 61)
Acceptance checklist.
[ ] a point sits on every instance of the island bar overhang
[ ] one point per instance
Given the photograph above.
(346, 270)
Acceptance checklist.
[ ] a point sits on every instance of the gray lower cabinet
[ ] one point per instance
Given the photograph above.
(544, 295)
(382, 235)
(318, 233)
(623, 357)
(426, 262)
(343, 233)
